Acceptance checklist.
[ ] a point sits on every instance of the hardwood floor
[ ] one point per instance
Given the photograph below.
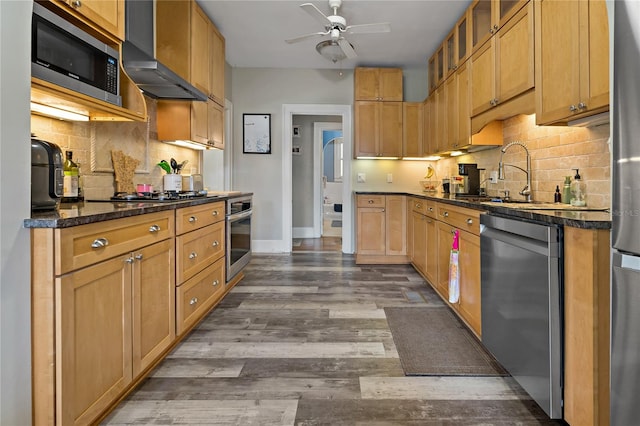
(303, 340)
(324, 244)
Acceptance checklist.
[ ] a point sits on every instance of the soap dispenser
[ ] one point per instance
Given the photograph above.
(578, 191)
(566, 190)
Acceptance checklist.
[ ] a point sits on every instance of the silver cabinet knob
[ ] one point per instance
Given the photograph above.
(215, 283)
(573, 108)
(138, 256)
(445, 214)
(430, 209)
(193, 255)
(418, 206)
(469, 221)
(193, 219)
(99, 243)
(370, 201)
(216, 243)
(193, 301)
(128, 260)
(582, 105)
(215, 213)
(154, 228)
(76, 3)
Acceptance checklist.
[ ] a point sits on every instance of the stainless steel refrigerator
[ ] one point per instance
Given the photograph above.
(625, 290)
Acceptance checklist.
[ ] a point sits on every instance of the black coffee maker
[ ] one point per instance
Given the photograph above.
(471, 179)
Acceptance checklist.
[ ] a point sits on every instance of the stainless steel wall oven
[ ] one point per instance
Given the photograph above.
(239, 211)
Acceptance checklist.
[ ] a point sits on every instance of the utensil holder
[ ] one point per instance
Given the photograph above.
(172, 182)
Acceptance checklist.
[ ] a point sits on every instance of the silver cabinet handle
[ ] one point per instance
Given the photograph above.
(469, 221)
(193, 255)
(430, 209)
(453, 231)
(370, 201)
(154, 228)
(382, 210)
(573, 108)
(418, 206)
(76, 3)
(495, 26)
(215, 283)
(99, 243)
(582, 105)
(216, 243)
(128, 260)
(193, 219)
(445, 214)
(138, 256)
(193, 301)
(215, 213)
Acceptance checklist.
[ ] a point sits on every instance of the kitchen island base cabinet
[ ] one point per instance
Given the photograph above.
(381, 229)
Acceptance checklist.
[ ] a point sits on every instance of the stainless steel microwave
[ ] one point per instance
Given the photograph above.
(65, 55)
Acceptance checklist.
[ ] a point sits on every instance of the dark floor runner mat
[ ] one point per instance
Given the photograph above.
(433, 341)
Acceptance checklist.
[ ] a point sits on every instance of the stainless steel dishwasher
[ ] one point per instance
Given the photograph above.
(522, 304)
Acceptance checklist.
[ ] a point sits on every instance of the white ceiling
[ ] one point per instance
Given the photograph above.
(255, 31)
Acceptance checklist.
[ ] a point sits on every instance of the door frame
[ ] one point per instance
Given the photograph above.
(288, 111)
(318, 202)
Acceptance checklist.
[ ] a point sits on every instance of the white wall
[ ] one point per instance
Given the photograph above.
(15, 177)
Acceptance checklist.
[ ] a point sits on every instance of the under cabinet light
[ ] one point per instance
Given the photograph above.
(187, 144)
(456, 153)
(54, 112)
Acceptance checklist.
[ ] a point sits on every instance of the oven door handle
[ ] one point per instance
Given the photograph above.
(238, 216)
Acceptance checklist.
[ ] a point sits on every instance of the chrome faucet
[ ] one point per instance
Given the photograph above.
(526, 191)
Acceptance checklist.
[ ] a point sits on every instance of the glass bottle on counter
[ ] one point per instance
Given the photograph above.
(578, 191)
(71, 180)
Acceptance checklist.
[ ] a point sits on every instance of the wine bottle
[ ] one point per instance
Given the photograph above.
(71, 172)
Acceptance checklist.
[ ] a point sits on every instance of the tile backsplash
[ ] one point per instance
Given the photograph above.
(92, 142)
(555, 151)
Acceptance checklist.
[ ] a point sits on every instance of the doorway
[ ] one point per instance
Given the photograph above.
(345, 114)
(331, 157)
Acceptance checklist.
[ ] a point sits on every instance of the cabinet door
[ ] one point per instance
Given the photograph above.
(558, 58)
(390, 126)
(371, 231)
(200, 51)
(463, 39)
(396, 225)
(200, 122)
(432, 125)
(481, 22)
(217, 55)
(216, 124)
(445, 240)
(93, 339)
(367, 117)
(450, 52)
(469, 261)
(431, 271)
(390, 83)
(108, 15)
(464, 117)
(451, 102)
(153, 303)
(594, 52)
(173, 29)
(412, 126)
(514, 55)
(483, 78)
(366, 84)
(440, 135)
(419, 240)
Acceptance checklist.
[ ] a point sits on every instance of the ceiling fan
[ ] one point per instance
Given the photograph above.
(337, 47)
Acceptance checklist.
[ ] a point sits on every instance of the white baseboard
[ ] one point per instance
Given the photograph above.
(303, 232)
(267, 246)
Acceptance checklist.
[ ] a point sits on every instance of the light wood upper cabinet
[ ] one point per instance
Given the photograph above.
(378, 129)
(378, 84)
(200, 52)
(451, 112)
(412, 129)
(572, 51)
(200, 122)
(503, 67)
(104, 15)
(217, 65)
(488, 16)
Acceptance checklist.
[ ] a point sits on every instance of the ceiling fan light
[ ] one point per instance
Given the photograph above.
(330, 50)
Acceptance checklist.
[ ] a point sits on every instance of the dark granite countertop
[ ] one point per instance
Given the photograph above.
(68, 215)
(586, 219)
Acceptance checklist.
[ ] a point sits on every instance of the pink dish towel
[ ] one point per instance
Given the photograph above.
(454, 272)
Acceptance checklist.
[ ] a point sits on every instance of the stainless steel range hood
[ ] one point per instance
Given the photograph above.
(138, 57)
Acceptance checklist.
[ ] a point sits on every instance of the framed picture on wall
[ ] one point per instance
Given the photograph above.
(295, 150)
(256, 133)
(296, 131)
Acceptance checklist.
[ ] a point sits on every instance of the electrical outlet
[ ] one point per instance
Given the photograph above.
(362, 177)
(389, 178)
(493, 177)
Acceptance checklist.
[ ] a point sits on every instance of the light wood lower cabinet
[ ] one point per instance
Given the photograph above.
(381, 229)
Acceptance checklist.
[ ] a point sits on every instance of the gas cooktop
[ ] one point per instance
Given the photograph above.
(156, 197)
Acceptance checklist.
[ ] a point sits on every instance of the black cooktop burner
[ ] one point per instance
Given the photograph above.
(157, 197)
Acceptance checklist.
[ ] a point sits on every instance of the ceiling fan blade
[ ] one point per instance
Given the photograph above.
(347, 48)
(305, 37)
(382, 27)
(315, 13)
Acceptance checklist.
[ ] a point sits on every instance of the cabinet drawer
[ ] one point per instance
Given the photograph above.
(419, 205)
(196, 217)
(198, 294)
(85, 245)
(460, 217)
(371, 200)
(197, 249)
